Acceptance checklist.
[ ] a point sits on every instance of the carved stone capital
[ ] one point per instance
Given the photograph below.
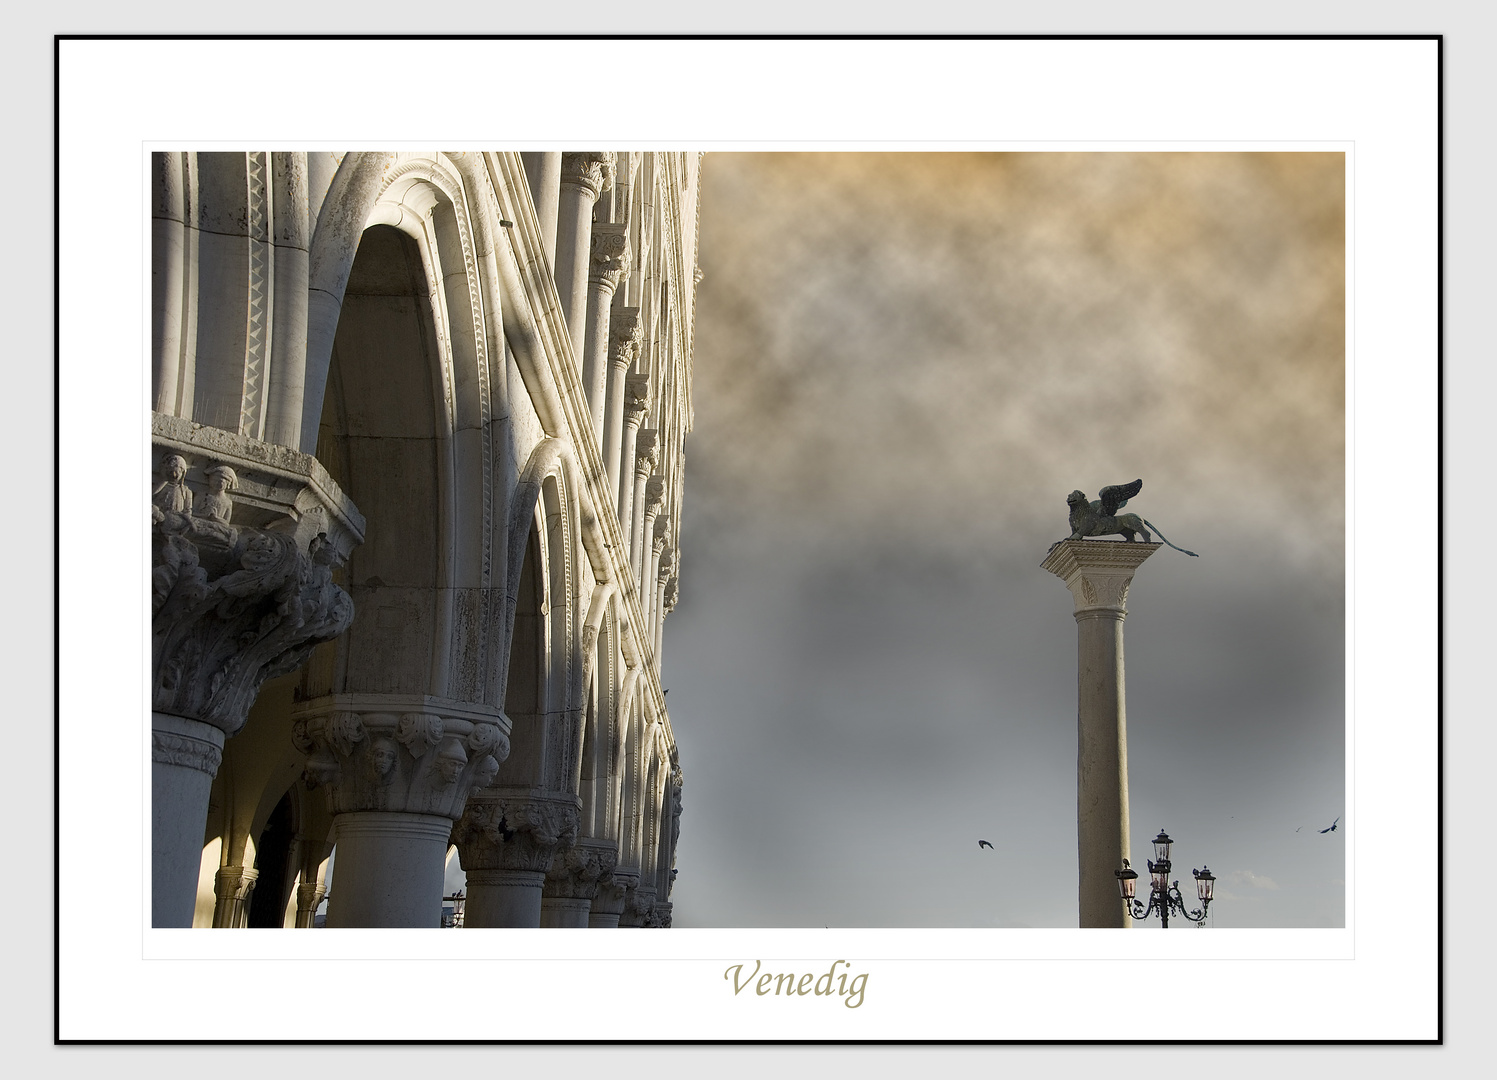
(654, 493)
(639, 907)
(232, 888)
(579, 871)
(171, 748)
(241, 584)
(1098, 572)
(646, 450)
(399, 753)
(636, 401)
(666, 568)
(590, 169)
(625, 335)
(614, 889)
(516, 831)
(672, 592)
(660, 914)
(609, 261)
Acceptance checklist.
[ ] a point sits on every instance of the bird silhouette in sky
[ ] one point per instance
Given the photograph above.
(1332, 828)
(1301, 827)
(984, 843)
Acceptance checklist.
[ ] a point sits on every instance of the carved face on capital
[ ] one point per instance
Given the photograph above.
(174, 467)
(383, 753)
(487, 769)
(450, 765)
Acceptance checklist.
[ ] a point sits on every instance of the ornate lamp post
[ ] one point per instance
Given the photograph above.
(1164, 896)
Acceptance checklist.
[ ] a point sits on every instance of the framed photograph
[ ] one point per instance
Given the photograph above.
(696, 486)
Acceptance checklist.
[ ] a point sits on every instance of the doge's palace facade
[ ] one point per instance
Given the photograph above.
(417, 439)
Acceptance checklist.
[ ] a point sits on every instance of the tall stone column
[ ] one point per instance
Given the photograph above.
(543, 171)
(646, 450)
(668, 596)
(583, 178)
(291, 239)
(654, 499)
(1098, 573)
(309, 896)
(169, 263)
(609, 264)
(636, 404)
(398, 769)
(245, 537)
(650, 584)
(507, 841)
(232, 887)
(624, 337)
(665, 572)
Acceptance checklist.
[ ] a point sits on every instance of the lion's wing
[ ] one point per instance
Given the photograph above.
(1115, 497)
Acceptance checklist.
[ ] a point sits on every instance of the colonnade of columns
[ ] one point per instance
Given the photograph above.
(593, 259)
(244, 583)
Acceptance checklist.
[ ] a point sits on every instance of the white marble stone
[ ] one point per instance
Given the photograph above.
(392, 526)
(1098, 574)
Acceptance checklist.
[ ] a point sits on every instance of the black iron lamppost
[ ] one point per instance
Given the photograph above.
(1164, 897)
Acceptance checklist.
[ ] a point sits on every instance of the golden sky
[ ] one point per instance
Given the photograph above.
(881, 335)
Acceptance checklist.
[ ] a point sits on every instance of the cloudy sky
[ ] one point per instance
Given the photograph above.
(903, 363)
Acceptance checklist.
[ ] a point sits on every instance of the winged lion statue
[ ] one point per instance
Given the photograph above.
(1101, 517)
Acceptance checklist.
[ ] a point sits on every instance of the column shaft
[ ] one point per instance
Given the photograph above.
(543, 170)
(504, 898)
(561, 912)
(595, 350)
(185, 755)
(389, 869)
(573, 239)
(1101, 766)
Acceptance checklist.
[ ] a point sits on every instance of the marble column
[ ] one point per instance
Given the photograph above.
(398, 771)
(1098, 573)
(507, 841)
(232, 888)
(665, 579)
(169, 263)
(291, 241)
(644, 570)
(636, 405)
(233, 603)
(309, 896)
(609, 264)
(583, 177)
(625, 334)
(646, 451)
(543, 171)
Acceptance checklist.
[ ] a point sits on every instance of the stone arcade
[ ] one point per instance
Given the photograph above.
(417, 440)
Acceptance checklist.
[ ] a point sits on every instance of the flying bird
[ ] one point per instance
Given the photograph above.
(984, 843)
(1332, 828)
(1301, 827)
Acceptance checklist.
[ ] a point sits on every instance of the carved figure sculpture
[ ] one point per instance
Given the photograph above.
(172, 494)
(216, 504)
(1101, 518)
